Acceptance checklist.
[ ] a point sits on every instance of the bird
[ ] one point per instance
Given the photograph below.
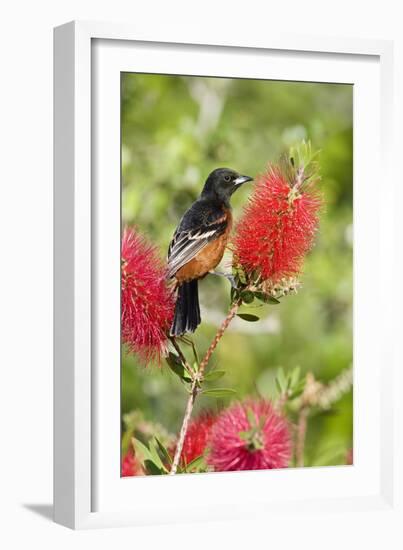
(198, 244)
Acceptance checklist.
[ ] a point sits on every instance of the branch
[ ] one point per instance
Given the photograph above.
(195, 387)
(185, 423)
(231, 314)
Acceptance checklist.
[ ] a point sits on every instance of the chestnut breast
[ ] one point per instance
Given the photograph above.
(208, 257)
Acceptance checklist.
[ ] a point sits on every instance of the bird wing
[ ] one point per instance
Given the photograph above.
(186, 244)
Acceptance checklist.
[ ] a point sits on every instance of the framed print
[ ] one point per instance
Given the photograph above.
(219, 327)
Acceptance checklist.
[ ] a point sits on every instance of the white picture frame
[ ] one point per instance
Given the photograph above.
(88, 490)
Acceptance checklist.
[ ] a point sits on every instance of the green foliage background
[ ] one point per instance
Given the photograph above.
(175, 130)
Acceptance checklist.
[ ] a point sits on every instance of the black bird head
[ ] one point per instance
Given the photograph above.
(222, 183)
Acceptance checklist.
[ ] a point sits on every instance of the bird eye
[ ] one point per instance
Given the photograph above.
(227, 178)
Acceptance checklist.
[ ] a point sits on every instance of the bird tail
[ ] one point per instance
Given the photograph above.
(187, 310)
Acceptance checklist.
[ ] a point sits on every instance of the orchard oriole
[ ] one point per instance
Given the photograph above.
(198, 244)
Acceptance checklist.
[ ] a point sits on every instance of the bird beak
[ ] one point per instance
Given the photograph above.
(242, 179)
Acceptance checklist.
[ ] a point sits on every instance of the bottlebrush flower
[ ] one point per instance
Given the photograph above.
(197, 437)
(147, 303)
(249, 436)
(278, 224)
(130, 465)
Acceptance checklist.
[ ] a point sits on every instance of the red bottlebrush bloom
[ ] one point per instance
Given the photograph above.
(130, 465)
(249, 436)
(277, 227)
(197, 437)
(147, 303)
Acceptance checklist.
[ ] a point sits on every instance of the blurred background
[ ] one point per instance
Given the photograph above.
(175, 130)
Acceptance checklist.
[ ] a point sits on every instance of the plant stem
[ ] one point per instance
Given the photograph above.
(195, 387)
(185, 423)
(300, 436)
(231, 314)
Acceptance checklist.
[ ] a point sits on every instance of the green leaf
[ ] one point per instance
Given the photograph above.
(272, 300)
(295, 377)
(219, 392)
(142, 449)
(175, 364)
(248, 317)
(266, 298)
(247, 296)
(155, 456)
(298, 388)
(214, 375)
(163, 450)
(149, 454)
(282, 380)
(301, 385)
(152, 468)
(195, 463)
